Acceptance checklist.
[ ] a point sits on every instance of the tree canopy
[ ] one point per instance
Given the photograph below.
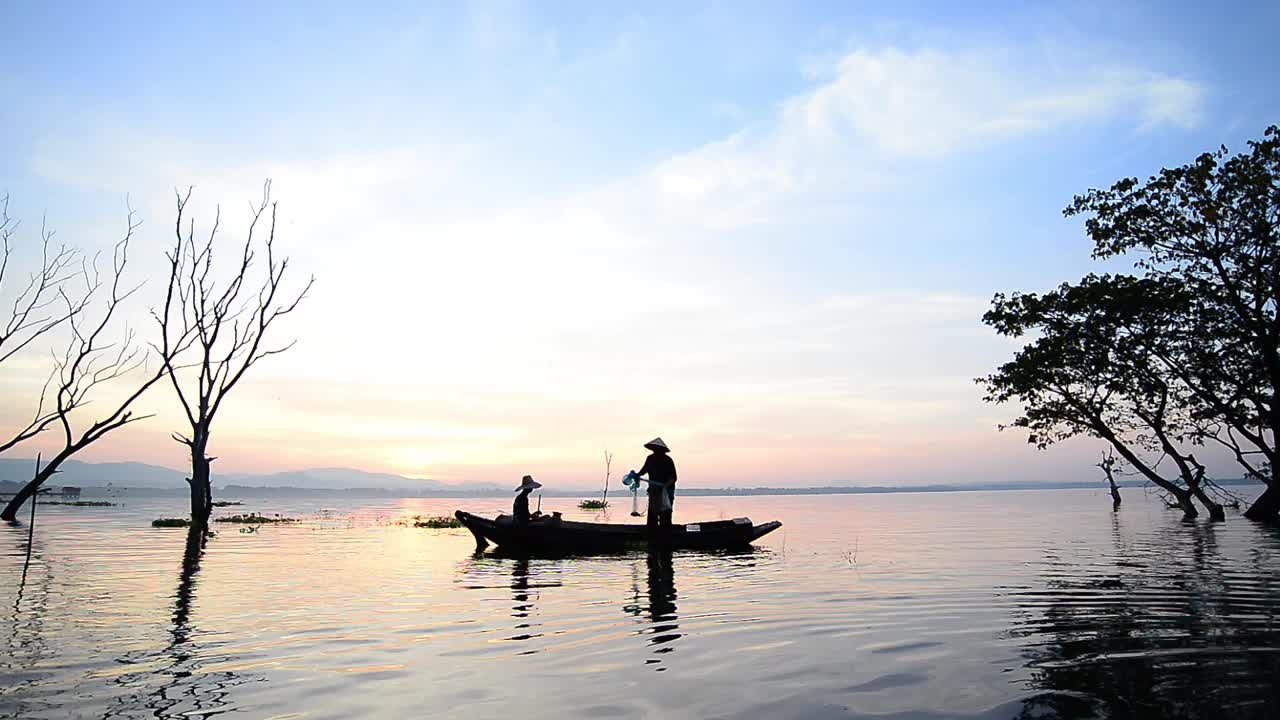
(1182, 353)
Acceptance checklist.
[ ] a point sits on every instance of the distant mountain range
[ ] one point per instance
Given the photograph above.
(155, 477)
(145, 479)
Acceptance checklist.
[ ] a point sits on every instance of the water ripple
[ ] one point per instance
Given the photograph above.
(888, 606)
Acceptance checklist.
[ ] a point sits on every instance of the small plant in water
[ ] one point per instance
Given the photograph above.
(170, 522)
(593, 504)
(435, 522)
(851, 556)
(255, 519)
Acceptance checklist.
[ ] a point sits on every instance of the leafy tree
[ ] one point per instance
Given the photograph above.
(1089, 371)
(1212, 228)
(1185, 353)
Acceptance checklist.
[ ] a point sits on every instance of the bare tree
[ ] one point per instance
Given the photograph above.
(93, 358)
(40, 305)
(1108, 466)
(608, 465)
(225, 324)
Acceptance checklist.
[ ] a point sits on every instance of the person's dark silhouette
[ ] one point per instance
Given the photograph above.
(520, 510)
(661, 471)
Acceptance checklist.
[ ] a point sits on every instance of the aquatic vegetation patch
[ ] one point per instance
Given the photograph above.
(593, 504)
(255, 519)
(437, 522)
(82, 503)
(170, 522)
(226, 503)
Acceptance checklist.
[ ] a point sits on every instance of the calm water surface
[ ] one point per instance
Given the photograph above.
(983, 605)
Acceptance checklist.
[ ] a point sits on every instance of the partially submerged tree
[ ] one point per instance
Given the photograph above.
(1213, 228)
(95, 357)
(226, 321)
(1087, 372)
(1185, 355)
(1108, 466)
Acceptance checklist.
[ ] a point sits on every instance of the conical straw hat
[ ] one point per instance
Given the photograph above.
(528, 482)
(657, 444)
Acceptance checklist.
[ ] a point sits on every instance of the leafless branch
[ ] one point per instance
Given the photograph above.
(213, 325)
(94, 356)
(36, 310)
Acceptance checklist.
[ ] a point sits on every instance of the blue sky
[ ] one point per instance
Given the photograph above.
(766, 233)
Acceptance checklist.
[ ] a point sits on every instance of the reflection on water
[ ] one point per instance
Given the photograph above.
(1161, 626)
(173, 682)
(525, 594)
(662, 603)
(659, 615)
(972, 605)
(25, 646)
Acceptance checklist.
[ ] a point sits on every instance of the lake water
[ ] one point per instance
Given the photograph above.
(955, 605)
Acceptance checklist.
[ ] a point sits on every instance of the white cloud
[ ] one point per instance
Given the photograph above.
(1173, 101)
(538, 327)
(881, 107)
(932, 103)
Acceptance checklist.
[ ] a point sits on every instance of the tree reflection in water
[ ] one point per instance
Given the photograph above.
(26, 647)
(187, 691)
(1166, 628)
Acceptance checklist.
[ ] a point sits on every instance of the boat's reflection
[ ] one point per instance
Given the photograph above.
(524, 596)
(652, 600)
(527, 580)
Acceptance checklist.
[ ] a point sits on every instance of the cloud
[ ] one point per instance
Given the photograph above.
(932, 103)
(878, 108)
(1173, 101)
(461, 328)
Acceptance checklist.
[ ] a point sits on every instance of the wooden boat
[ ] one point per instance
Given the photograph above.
(552, 534)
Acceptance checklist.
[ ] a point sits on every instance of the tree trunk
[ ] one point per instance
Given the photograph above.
(10, 512)
(1180, 494)
(201, 493)
(1267, 507)
(1216, 513)
(1183, 497)
(1195, 483)
(1108, 467)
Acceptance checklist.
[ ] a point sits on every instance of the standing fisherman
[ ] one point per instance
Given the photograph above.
(661, 471)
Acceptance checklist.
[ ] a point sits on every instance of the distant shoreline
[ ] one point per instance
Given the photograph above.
(104, 480)
(244, 491)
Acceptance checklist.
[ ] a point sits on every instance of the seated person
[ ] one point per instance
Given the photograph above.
(521, 508)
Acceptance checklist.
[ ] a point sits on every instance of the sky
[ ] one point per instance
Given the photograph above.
(539, 231)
